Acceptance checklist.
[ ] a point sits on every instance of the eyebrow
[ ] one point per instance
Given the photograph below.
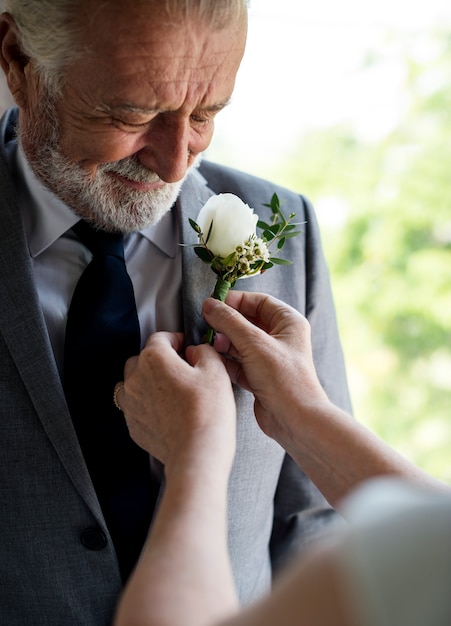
(126, 107)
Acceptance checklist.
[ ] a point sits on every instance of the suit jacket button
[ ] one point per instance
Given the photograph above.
(93, 539)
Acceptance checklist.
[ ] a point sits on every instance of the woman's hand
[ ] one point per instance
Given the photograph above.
(177, 409)
(268, 351)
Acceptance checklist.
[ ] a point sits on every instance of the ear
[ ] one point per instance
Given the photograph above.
(12, 60)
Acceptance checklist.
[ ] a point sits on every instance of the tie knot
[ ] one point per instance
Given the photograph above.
(100, 242)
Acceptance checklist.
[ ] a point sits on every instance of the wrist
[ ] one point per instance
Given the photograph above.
(203, 458)
(304, 425)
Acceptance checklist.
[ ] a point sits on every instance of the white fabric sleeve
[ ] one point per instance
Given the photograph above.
(396, 557)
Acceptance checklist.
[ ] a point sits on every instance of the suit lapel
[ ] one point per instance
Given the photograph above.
(24, 331)
(197, 278)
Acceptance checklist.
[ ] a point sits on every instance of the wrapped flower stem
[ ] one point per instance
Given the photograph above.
(220, 292)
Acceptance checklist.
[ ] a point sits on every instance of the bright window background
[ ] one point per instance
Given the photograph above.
(303, 69)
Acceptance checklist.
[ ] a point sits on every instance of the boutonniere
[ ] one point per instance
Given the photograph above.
(226, 228)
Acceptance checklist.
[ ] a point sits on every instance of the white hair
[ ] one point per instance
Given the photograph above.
(49, 30)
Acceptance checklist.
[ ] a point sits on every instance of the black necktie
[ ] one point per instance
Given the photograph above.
(102, 332)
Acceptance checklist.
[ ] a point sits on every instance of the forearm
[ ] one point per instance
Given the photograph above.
(184, 574)
(338, 453)
(334, 450)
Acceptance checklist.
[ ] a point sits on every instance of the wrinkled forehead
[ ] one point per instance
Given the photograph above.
(109, 16)
(141, 57)
(120, 29)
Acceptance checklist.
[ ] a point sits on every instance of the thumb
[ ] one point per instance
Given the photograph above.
(230, 322)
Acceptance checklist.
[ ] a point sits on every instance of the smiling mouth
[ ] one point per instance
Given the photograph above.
(138, 184)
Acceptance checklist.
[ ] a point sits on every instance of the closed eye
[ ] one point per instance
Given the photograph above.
(129, 126)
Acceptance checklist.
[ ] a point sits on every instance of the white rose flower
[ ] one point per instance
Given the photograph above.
(234, 222)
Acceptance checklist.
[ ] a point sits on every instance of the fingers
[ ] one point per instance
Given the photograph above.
(162, 358)
(170, 344)
(247, 313)
(165, 339)
(258, 307)
(168, 400)
(205, 358)
(228, 320)
(203, 353)
(211, 363)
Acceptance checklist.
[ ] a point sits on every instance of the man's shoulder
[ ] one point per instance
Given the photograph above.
(250, 188)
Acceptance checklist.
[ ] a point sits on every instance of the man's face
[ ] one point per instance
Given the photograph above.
(134, 113)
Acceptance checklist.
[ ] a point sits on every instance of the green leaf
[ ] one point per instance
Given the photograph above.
(267, 235)
(292, 227)
(277, 261)
(195, 226)
(228, 259)
(263, 225)
(275, 203)
(275, 228)
(203, 254)
(293, 234)
(281, 243)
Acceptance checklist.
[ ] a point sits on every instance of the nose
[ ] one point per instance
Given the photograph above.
(167, 147)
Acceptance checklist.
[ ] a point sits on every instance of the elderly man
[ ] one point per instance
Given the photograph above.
(115, 104)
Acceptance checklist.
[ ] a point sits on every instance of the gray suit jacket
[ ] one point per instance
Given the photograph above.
(55, 567)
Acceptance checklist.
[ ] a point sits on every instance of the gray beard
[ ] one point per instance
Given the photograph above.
(104, 201)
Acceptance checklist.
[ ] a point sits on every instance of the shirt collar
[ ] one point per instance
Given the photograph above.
(47, 218)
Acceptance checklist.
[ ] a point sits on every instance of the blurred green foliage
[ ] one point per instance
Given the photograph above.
(385, 211)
